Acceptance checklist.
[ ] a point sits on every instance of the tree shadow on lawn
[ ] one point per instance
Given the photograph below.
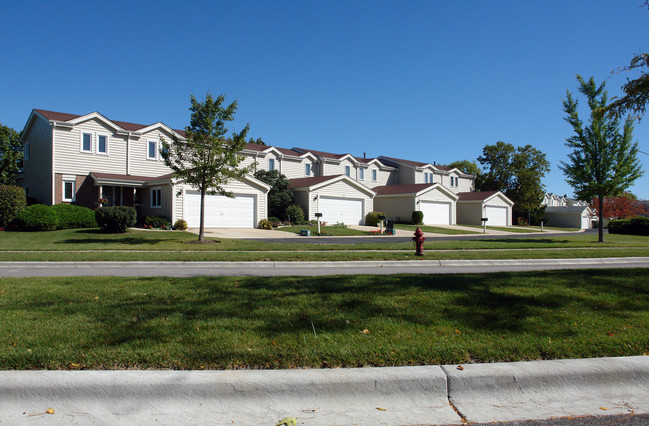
(107, 238)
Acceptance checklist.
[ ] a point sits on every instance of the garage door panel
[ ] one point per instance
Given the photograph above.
(436, 213)
(497, 215)
(341, 210)
(221, 211)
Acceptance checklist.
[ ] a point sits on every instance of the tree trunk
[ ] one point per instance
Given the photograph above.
(201, 230)
(600, 213)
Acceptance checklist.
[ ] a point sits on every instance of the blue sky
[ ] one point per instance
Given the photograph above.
(430, 81)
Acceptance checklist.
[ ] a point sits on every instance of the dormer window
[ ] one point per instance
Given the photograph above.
(373, 175)
(307, 169)
(361, 174)
(348, 171)
(271, 164)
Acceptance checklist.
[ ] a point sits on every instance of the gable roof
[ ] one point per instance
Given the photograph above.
(310, 181)
(416, 189)
(320, 181)
(321, 154)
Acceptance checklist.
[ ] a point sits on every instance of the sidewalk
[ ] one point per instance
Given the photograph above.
(365, 396)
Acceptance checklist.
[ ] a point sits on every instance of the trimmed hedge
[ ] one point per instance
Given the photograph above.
(372, 218)
(36, 218)
(417, 217)
(71, 216)
(181, 225)
(115, 219)
(12, 202)
(295, 214)
(638, 225)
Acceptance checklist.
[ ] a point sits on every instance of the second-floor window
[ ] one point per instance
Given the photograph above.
(271, 164)
(361, 174)
(348, 171)
(307, 169)
(152, 150)
(86, 142)
(373, 175)
(102, 144)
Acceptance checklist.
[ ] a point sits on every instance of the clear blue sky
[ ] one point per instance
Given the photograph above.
(422, 80)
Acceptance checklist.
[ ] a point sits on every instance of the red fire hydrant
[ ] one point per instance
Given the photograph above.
(419, 242)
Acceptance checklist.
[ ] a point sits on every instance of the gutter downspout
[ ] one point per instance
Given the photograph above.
(53, 124)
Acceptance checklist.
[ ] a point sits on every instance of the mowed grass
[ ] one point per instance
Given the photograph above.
(288, 322)
(433, 229)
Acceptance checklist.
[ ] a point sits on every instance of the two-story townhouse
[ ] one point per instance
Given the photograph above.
(565, 212)
(290, 163)
(83, 158)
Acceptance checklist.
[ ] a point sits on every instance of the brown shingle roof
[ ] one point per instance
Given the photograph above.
(411, 163)
(405, 188)
(323, 154)
(475, 196)
(310, 181)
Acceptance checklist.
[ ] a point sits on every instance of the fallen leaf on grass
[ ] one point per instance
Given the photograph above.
(458, 331)
(366, 331)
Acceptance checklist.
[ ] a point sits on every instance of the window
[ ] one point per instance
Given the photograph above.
(86, 142)
(156, 197)
(348, 171)
(373, 175)
(271, 164)
(152, 151)
(427, 177)
(454, 181)
(68, 190)
(102, 144)
(361, 173)
(307, 169)
(26, 153)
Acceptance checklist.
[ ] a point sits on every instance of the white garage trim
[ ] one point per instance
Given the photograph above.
(496, 215)
(349, 211)
(221, 211)
(436, 212)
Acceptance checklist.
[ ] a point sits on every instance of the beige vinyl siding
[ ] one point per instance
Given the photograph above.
(70, 160)
(139, 164)
(407, 175)
(466, 185)
(166, 200)
(400, 206)
(497, 201)
(469, 213)
(332, 169)
(249, 159)
(340, 189)
(294, 169)
(383, 177)
(235, 186)
(37, 171)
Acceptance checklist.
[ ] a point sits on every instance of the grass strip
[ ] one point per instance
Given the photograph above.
(289, 322)
(434, 229)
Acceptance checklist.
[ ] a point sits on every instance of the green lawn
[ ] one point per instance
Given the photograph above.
(326, 230)
(432, 229)
(518, 229)
(287, 322)
(80, 245)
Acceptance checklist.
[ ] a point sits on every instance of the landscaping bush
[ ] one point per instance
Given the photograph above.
(181, 224)
(638, 225)
(36, 218)
(115, 219)
(372, 218)
(156, 222)
(295, 214)
(274, 221)
(417, 217)
(265, 224)
(12, 202)
(70, 216)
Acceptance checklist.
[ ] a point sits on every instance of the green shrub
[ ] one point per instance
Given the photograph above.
(372, 218)
(638, 225)
(274, 221)
(71, 216)
(265, 224)
(295, 214)
(156, 222)
(36, 218)
(12, 202)
(181, 224)
(417, 217)
(115, 219)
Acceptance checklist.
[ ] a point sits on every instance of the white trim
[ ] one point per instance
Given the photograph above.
(271, 164)
(307, 169)
(348, 171)
(361, 173)
(148, 149)
(375, 175)
(81, 140)
(99, 135)
(152, 191)
(65, 181)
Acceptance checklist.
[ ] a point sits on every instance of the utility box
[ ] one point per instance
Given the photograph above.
(389, 226)
(305, 232)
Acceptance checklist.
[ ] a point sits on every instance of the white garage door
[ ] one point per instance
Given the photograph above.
(436, 213)
(341, 210)
(497, 216)
(220, 211)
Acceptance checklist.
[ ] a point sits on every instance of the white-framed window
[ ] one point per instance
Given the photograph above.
(69, 190)
(348, 171)
(271, 164)
(152, 150)
(361, 174)
(156, 197)
(86, 142)
(102, 144)
(26, 151)
(374, 175)
(307, 169)
(454, 181)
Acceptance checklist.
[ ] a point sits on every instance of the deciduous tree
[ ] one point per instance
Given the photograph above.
(11, 155)
(603, 161)
(621, 207)
(205, 158)
(466, 166)
(279, 196)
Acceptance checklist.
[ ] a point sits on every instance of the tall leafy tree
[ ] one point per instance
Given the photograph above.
(11, 155)
(604, 160)
(466, 166)
(517, 172)
(205, 158)
(636, 91)
(621, 207)
(279, 196)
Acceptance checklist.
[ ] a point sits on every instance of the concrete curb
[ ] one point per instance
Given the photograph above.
(390, 395)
